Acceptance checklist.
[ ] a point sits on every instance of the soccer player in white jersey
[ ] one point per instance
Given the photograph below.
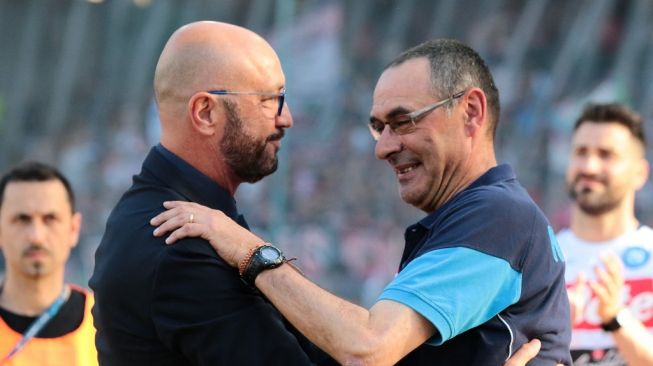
(609, 252)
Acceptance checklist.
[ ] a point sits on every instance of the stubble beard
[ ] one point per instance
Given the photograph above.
(245, 155)
(593, 203)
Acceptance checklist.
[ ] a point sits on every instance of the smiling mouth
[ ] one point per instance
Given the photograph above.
(404, 169)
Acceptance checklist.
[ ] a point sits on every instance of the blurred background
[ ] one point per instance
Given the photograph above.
(76, 92)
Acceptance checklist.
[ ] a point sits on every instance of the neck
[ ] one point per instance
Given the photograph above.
(603, 227)
(204, 160)
(460, 177)
(28, 296)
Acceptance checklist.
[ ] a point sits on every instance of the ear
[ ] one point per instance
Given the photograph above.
(643, 169)
(75, 227)
(475, 104)
(201, 108)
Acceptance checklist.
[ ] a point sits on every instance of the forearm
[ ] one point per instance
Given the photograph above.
(349, 333)
(635, 343)
(340, 328)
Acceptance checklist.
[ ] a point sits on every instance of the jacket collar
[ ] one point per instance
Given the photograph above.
(192, 184)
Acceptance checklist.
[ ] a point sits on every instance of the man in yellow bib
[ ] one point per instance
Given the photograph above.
(43, 320)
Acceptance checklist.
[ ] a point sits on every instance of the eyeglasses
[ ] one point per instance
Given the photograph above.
(281, 96)
(407, 123)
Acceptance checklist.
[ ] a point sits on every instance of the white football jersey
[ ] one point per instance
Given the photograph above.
(636, 252)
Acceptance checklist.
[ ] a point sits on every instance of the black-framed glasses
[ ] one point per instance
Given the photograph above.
(407, 123)
(281, 96)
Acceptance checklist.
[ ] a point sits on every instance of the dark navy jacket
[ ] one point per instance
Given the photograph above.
(486, 270)
(181, 304)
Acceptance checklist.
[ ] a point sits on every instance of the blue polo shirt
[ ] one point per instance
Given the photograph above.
(486, 270)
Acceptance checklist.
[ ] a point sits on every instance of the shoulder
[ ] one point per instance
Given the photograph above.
(87, 295)
(76, 289)
(566, 237)
(499, 219)
(507, 195)
(506, 205)
(645, 232)
(142, 200)
(129, 221)
(81, 296)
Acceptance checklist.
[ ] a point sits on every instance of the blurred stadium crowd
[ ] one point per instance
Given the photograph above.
(75, 91)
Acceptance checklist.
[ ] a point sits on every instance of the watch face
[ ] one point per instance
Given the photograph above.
(269, 253)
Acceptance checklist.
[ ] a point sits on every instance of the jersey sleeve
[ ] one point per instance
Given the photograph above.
(455, 289)
(469, 267)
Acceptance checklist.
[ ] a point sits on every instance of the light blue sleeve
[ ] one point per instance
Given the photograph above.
(456, 289)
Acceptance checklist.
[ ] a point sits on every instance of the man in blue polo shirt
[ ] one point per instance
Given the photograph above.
(480, 274)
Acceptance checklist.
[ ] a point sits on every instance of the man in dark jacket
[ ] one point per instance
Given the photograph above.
(220, 94)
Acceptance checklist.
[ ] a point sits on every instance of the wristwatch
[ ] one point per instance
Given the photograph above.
(618, 321)
(263, 258)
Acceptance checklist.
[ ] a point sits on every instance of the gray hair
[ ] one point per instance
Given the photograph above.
(454, 68)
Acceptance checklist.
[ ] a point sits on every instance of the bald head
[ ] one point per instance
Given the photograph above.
(211, 55)
(197, 125)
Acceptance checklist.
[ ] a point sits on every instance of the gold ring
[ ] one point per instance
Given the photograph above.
(191, 218)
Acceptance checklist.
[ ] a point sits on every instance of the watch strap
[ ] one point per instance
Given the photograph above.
(611, 325)
(243, 264)
(617, 322)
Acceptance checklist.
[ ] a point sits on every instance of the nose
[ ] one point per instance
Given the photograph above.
(590, 164)
(285, 119)
(387, 144)
(36, 234)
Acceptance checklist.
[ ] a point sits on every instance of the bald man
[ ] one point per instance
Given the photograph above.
(220, 94)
